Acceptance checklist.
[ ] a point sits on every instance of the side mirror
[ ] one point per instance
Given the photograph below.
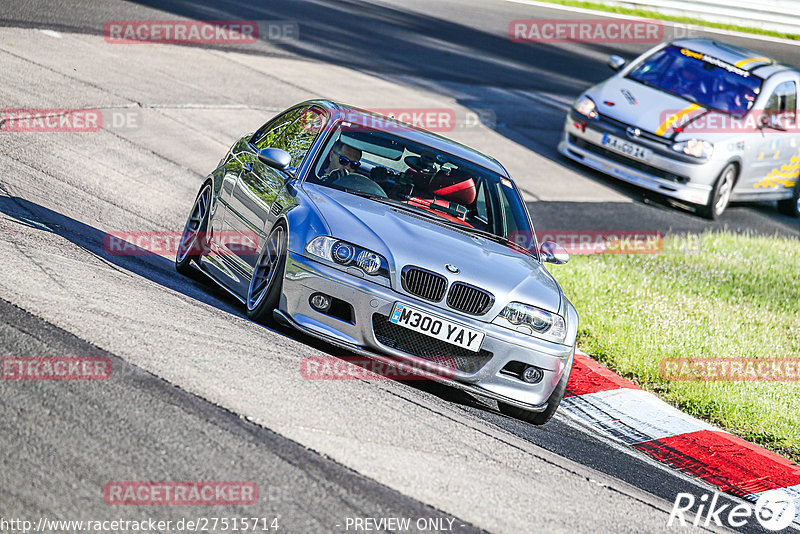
(552, 252)
(275, 158)
(615, 62)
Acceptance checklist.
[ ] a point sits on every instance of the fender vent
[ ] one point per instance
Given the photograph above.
(277, 208)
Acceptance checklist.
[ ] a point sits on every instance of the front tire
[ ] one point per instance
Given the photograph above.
(721, 194)
(791, 206)
(194, 239)
(553, 401)
(264, 292)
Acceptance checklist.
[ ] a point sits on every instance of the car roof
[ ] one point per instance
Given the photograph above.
(437, 142)
(749, 60)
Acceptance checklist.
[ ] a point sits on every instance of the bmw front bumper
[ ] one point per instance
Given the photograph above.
(372, 304)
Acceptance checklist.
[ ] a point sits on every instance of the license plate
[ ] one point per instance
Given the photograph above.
(626, 147)
(437, 328)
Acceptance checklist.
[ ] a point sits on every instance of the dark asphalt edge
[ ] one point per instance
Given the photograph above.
(318, 466)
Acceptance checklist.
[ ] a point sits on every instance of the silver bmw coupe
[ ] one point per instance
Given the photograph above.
(393, 243)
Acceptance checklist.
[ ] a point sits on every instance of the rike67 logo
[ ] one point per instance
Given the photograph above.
(774, 510)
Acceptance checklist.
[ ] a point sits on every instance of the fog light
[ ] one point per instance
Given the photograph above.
(320, 302)
(532, 375)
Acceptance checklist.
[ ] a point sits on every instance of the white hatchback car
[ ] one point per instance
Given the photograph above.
(697, 120)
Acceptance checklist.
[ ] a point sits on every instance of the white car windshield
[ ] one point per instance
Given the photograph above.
(701, 79)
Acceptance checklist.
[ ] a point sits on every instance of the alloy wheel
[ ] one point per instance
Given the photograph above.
(194, 226)
(266, 267)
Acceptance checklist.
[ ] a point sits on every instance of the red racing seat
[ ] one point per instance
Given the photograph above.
(453, 185)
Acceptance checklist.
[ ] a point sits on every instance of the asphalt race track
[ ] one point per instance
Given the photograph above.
(198, 392)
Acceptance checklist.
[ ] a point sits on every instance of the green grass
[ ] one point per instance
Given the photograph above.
(659, 16)
(722, 296)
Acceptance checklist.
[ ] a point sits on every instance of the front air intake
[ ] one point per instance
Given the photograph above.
(423, 283)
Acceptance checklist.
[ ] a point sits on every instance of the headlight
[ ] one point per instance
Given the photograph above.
(541, 323)
(343, 253)
(586, 107)
(695, 147)
(369, 262)
(347, 254)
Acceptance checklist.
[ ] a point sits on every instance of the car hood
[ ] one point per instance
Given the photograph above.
(641, 106)
(406, 239)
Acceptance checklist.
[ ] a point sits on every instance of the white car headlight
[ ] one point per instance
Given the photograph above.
(346, 254)
(695, 147)
(321, 247)
(540, 322)
(586, 107)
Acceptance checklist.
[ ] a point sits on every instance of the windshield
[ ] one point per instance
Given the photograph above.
(404, 174)
(702, 79)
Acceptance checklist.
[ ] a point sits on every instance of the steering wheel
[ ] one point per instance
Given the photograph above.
(357, 182)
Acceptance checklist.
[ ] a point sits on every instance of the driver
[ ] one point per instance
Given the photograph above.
(686, 81)
(745, 100)
(342, 160)
(736, 100)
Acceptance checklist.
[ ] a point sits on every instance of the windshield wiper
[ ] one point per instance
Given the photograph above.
(483, 233)
(363, 194)
(392, 202)
(707, 107)
(472, 230)
(663, 89)
(397, 204)
(438, 220)
(492, 237)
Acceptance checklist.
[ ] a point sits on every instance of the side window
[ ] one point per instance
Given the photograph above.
(269, 135)
(298, 137)
(482, 215)
(783, 101)
(510, 222)
(294, 132)
(481, 208)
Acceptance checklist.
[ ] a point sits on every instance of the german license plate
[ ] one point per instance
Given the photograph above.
(627, 148)
(437, 328)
